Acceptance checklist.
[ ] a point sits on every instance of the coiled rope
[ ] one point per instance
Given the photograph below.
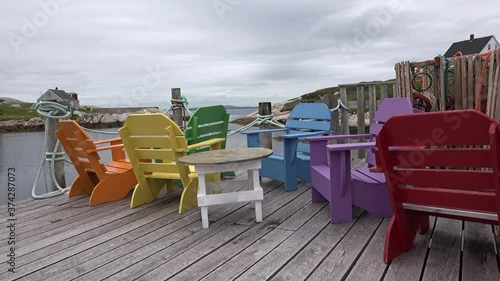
(258, 121)
(50, 110)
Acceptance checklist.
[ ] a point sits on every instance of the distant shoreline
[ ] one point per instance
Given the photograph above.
(101, 120)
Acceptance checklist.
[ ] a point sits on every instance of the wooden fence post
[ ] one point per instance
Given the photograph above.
(266, 139)
(344, 124)
(331, 102)
(51, 143)
(177, 111)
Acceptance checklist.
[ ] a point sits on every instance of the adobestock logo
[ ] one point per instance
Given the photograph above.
(30, 27)
(222, 7)
(363, 35)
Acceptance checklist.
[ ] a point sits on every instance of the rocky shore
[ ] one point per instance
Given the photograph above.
(281, 116)
(86, 119)
(97, 118)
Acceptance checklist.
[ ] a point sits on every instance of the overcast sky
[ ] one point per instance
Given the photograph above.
(240, 52)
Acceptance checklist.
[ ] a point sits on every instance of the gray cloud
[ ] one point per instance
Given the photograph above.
(220, 51)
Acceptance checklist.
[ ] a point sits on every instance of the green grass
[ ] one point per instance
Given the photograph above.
(25, 112)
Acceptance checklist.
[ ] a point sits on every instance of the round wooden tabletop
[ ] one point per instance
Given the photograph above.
(225, 156)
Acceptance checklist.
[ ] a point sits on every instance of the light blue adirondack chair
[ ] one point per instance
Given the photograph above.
(305, 120)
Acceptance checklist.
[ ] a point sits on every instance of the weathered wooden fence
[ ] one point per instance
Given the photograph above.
(462, 82)
(368, 96)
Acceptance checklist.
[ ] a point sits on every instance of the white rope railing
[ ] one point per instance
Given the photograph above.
(261, 119)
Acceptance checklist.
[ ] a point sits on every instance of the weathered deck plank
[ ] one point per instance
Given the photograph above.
(156, 218)
(278, 256)
(369, 265)
(337, 264)
(48, 251)
(64, 239)
(303, 264)
(408, 266)
(443, 262)
(479, 258)
(240, 242)
(148, 241)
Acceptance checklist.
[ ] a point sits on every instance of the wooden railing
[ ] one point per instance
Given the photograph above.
(368, 97)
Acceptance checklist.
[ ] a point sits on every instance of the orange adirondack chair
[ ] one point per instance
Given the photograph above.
(103, 182)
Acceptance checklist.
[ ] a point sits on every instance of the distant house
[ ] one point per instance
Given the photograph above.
(473, 46)
(60, 96)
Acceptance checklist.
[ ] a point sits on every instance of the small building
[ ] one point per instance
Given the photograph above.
(60, 96)
(473, 46)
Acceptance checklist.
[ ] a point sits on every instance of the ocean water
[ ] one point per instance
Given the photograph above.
(23, 152)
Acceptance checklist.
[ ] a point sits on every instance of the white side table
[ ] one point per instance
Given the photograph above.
(216, 161)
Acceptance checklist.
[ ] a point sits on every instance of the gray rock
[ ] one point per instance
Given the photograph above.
(78, 113)
(35, 121)
(107, 118)
(15, 105)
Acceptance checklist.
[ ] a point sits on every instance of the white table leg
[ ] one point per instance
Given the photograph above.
(254, 183)
(202, 191)
(258, 211)
(204, 217)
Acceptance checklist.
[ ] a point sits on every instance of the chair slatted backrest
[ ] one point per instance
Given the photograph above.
(151, 141)
(388, 107)
(207, 123)
(308, 117)
(81, 150)
(442, 159)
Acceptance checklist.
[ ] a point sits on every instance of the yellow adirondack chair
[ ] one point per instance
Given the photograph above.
(153, 143)
(103, 182)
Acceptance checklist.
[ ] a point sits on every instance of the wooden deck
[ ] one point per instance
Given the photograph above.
(64, 239)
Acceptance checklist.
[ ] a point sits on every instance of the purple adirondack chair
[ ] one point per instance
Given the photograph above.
(333, 181)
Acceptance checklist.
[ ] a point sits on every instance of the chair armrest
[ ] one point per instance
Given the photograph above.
(305, 134)
(350, 146)
(264, 131)
(108, 141)
(338, 137)
(120, 146)
(209, 142)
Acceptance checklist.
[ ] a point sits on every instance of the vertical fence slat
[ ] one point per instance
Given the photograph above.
(408, 80)
(463, 61)
(361, 116)
(496, 86)
(396, 89)
(491, 102)
(372, 101)
(441, 84)
(383, 91)
(458, 83)
(478, 63)
(470, 83)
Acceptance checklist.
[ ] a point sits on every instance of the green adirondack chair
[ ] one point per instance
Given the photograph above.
(207, 123)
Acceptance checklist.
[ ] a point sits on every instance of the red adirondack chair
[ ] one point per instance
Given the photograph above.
(442, 164)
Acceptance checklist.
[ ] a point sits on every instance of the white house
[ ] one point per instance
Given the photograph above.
(60, 96)
(473, 46)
